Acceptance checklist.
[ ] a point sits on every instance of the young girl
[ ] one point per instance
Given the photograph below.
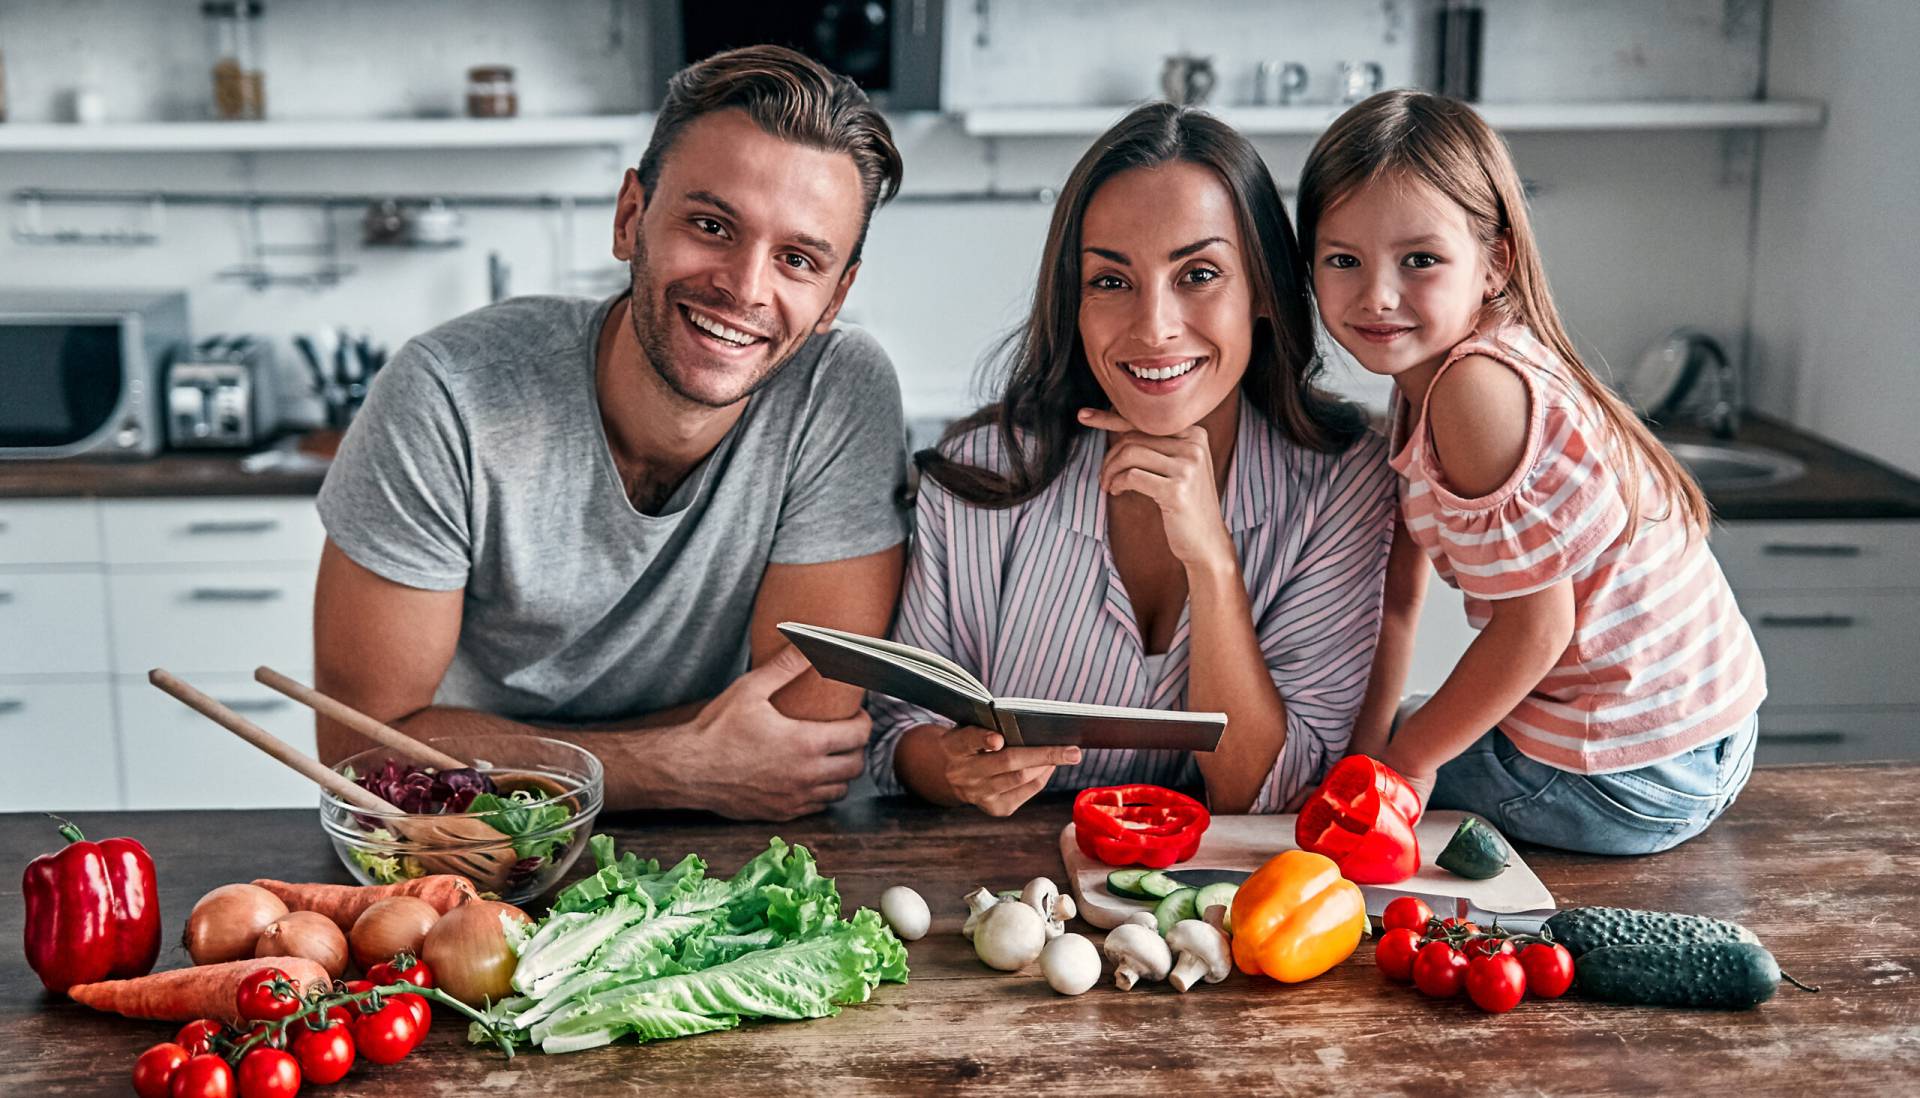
(1617, 675)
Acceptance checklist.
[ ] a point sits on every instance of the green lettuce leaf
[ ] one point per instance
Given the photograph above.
(521, 819)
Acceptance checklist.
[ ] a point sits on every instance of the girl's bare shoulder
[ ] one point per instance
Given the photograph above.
(1478, 415)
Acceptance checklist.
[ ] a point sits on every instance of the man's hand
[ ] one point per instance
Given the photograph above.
(748, 761)
(997, 779)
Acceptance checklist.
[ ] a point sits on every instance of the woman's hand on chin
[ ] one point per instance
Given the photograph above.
(1176, 473)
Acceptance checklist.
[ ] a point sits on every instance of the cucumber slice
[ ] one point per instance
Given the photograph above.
(1157, 884)
(1222, 894)
(1175, 907)
(1126, 882)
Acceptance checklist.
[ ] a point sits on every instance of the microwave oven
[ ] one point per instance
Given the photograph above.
(890, 48)
(81, 371)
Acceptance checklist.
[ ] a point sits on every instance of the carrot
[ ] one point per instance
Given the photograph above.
(344, 903)
(206, 991)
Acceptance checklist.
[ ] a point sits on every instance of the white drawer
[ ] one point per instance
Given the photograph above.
(176, 758)
(212, 620)
(53, 623)
(59, 744)
(219, 530)
(1791, 734)
(1794, 556)
(49, 531)
(1838, 647)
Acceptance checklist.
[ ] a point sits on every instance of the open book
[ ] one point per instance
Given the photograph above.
(934, 683)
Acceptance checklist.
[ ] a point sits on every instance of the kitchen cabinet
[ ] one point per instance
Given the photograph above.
(95, 593)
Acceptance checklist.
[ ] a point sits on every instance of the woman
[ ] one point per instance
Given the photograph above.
(1161, 510)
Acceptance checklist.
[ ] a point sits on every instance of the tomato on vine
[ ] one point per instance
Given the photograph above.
(325, 1055)
(266, 996)
(1410, 912)
(1549, 969)
(1439, 970)
(197, 1036)
(386, 1035)
(1396, 952)
(155, 1067)
(404, 966)
(203, 1076)
(268, 1073)
(1496, 983)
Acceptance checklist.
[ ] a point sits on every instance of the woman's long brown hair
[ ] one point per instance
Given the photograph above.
(1047, 378)
(1406, 134)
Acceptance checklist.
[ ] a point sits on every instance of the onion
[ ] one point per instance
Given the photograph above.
(227, 921)
(306, 934)
(397, 924)
(468, 955)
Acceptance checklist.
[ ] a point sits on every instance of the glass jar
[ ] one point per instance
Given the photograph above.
(490, 92)
(239, 82)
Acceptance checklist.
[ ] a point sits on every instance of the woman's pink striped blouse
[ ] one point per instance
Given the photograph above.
(1027, 600)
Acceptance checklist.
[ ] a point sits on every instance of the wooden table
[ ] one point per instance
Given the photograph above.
(1820, 861)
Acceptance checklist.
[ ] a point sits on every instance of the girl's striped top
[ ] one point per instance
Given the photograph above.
(1027, 599)
(1661, 659)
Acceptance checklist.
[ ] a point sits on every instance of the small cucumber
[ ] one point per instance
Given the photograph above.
(1221, 894)
(1584, 929)
(1476, 851)
(1175, 907)
(1157, 884)
(1126, 882)
(1732, 975)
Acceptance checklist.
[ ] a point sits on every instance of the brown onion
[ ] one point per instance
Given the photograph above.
(468, 955)
(227, 921)
(397, 924)
(306, 934)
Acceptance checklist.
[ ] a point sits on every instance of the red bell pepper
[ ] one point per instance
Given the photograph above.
(93, 911)
(1362, 817)
(1138, 825)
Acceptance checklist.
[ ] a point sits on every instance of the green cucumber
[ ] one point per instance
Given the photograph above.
(1220, 894)
(1584, 929)
(1126, 883)
(1175, 907)
(1731, 975)
(1157, 885)
(1476, 851)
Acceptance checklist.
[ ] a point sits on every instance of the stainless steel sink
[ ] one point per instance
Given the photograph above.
(1735, 465)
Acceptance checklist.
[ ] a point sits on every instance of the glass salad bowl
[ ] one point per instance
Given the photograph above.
(511, 824)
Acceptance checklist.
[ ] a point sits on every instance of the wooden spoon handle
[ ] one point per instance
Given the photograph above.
(336, 710)
(268, 742)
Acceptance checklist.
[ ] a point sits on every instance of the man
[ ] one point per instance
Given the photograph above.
(584, 521)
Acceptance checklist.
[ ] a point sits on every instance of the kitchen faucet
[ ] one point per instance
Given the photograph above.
(1724, 389)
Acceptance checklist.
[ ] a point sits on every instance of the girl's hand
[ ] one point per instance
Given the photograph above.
(1419, 778)
(997, 779)
(1176, 473)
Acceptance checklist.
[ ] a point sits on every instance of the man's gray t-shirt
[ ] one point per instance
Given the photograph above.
(480, 462)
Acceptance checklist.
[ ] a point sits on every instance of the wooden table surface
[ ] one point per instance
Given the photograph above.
(1820, 861)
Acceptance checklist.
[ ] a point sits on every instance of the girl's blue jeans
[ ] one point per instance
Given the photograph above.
(1630, 812)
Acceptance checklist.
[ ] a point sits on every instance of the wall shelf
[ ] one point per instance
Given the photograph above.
(1309, 121)
(613, 130)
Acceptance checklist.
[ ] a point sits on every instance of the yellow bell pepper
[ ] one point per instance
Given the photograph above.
(1296, 917)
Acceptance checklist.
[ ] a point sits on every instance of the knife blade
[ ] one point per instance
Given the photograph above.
(1201, 878)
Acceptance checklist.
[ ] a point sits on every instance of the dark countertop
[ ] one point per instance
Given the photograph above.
(1838, 483)
(1820, 861)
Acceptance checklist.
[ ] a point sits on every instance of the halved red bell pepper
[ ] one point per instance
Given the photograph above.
(1138, 825)
(1362, 817)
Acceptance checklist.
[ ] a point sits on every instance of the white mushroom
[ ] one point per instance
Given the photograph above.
(1137, 954)
(905, 912)
(978, 902)
(1046, 898)
(1204, 952)
(1010, 936)
(1071, 964)
(1146, 919)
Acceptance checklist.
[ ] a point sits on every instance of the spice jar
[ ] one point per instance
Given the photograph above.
(490, 92)
(239, 84)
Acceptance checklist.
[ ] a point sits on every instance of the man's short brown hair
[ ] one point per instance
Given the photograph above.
(792, 97)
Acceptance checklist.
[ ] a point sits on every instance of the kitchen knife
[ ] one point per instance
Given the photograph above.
(1524, 922)
(1201, 878)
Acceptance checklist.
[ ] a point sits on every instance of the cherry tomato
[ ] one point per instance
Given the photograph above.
(325, 1055)
(269, 1073)
(412, 971)
(277, 1041)
(202, 1076)
(388, 1034)
(1410, 912)
(1396, 952)
(355, 987)
(197, 1036)
(266, 995)
(155, 1067)
(422, 1010)
(1461, 924)
(1487, 947)
(1496, 983)
(1549, 969)
(1439, 970)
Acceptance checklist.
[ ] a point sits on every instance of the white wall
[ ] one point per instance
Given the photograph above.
(1836, 279)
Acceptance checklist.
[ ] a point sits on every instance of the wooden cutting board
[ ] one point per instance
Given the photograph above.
(1246, 842)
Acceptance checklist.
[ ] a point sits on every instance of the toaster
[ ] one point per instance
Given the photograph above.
(221, 395)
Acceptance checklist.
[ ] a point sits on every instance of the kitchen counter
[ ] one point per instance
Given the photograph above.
(173, 474)
(1838, 483)
(1820, 861)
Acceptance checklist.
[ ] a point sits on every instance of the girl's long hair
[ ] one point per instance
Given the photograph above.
(1046, 376)
(1405, 134)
